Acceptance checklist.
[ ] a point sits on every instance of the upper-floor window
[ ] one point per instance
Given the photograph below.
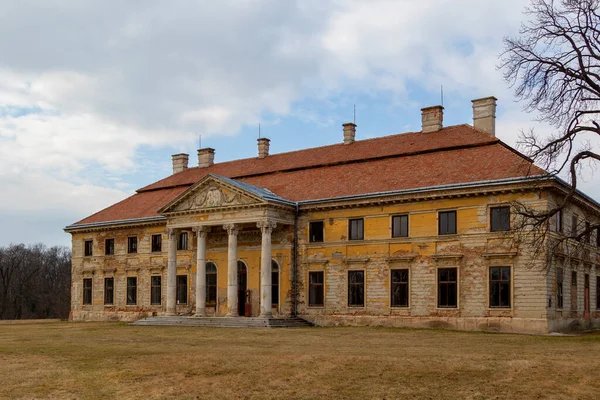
(588, 233)
(356, 229)
(315, 231)
(182, 242)
(109, 247)
(132, 244)
(574, 222)
(559, 221)
(400, 226)
(598, 237)
(156, 243)
(88, 246)
(500, 219)
(447, 222)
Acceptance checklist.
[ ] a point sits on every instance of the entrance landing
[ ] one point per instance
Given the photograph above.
(224, 322)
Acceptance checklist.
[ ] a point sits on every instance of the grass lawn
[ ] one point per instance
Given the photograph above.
(114, 360)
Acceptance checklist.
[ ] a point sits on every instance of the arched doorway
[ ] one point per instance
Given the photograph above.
(274, 284)
(242, 286)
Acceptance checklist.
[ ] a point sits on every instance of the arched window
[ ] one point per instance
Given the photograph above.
(211, 284)
(274, 283)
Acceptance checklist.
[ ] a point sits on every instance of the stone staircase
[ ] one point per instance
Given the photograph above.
(224, 322)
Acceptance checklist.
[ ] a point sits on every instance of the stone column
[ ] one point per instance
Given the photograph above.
(172, 272)
(232, 281)
(201, 233)
(265, 268)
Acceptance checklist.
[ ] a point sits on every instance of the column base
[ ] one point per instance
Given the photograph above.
(200, 315)
(266, 315)
(170, 313)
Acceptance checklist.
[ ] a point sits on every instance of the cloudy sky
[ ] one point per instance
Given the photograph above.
(96, 95)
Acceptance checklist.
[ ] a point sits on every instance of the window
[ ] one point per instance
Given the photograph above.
(109, 247)
(182, 243)
(559, 221)
(500, 219)
(131, 290)
(274, 283)
(211, 284)
(155, 290)
(315, 231)
(109, 290)
(573, 290)
(87, 291)
(315, 289)
(356, 229)
(88, 248)
(559, 288)
(132, 244)
(499, 287)
(156, 243)
(597, 237)
(598, 292)
(447, 223)
(588, 233)
(356, 288)
(574, 223)
(399, 288)
(400, 226)
(182, 289)
(447, 288)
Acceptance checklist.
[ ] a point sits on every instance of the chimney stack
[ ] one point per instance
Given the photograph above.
(484, 114)
(206, 157)
(349, 132)
(263, 147)
(432, 118)
(180, 162)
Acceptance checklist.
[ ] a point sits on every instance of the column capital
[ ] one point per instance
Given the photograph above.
(232, 229)
(266, 226)
(201, 230)
(171, 232)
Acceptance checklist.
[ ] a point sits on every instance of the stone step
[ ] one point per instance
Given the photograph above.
(224, 322)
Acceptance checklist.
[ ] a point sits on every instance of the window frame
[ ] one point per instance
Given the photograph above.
(437, 290)
(87, 290)
(560, 294)
(182, 244)
(400, 216)
(559, 221)
(179, 290)
(598, 237)
(510, 287)
(208, 301)
(362, 230)
(109, 250)
(407, 283)
(322, 289)
(89, 242)
(132, 244)
(499, 209)
(364, 287)
(311, 231)
(109, 291)
(574, 225)
(446, 212)
(128, 287)
(153, 288)
(152, 243)
(275, 286)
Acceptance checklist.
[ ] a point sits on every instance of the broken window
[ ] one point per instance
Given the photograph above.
(182, 289)
(356, 288)
(109, 247)
(499, 287)
(88, 248)
(109, 291)
(447, 287)
(315, 289)
(356, 229)
(399, 288)
(155, 290)
(131, 290)
(132, 244)
(315, 233)
(182, 243)
(447, 223)
(500, 219)
(274, 283)
(400, 226)
(156, 243)
(87, 291)
(559, 288)
(211, 284)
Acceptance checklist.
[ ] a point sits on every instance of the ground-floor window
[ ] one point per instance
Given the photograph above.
(155, 290)
(131, 290)
(499, 287)
(315, 289)
(447, 287)
(598, 292)
(87, 291)
(573, 290)
(182, 291)
(399, 290)
(109, 290)
(356, 288)
(559, 288)
(211, 284)
(274, 283)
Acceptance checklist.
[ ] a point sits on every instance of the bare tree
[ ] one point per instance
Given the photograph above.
(554, 67)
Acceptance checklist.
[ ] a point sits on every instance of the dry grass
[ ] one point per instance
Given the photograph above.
(113, 360)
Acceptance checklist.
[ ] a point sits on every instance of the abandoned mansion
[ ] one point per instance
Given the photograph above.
(415, 230)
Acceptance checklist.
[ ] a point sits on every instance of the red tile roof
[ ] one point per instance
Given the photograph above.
(456, 154)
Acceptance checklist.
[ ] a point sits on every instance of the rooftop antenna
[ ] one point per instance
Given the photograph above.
(259, 130)
(354, 121)
(442, 94)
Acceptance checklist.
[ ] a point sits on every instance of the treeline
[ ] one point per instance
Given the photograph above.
(35, 282)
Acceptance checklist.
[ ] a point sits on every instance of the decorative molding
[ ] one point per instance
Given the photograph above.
(232, 229)
(500, 254)
(355, 260)
(407, 258)
(322, 261)
(455, 256)
(266, 226)
(202, 230)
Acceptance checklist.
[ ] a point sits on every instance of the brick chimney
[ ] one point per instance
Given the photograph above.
(349, 132)
(180, 162)
(484, 114)
(432, 118)
(263, 147)
(206, 157)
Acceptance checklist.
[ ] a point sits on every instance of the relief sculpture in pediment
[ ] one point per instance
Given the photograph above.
(214, 196)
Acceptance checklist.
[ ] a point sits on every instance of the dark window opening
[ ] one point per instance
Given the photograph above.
(399, 288)
(87, 291)
(315, 231)
(132, 244)
(274, 283)
(598, 292)
(356, 288)
(88, 248)
(156, 243)
(500, 287)
(574, 223)
(559, 221)
(447, 287)
(182, 292)
(573, 290)
(588, 234)
(559, 288)
(155, 290)
(109, 291)
(109, 247)
(211, 284)
(447, 223)
(500, 219)
(597, 237)
(400, 226)
(356, 229)
(182, 242)
(315, 289)
(131, 290)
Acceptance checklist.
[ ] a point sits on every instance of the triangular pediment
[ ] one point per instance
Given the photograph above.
(212, 193)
